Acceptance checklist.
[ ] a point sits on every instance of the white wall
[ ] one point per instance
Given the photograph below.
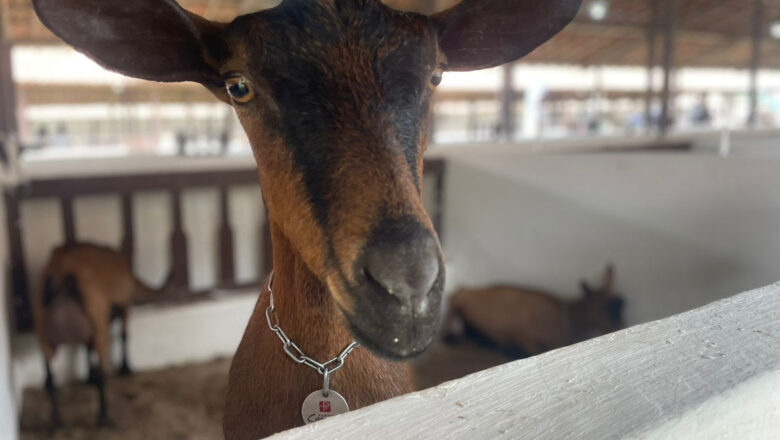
(708, 374)
(682, 229)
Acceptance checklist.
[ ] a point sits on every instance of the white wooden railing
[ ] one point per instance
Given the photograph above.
(712, 373)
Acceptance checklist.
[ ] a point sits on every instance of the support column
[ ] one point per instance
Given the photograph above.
(507, 98)
(755, 59)
(8, 128)
(652, 34)
(670, 34)
(8, 136)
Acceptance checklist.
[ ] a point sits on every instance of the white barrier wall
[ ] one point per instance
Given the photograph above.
(682, 229)
(712, 373)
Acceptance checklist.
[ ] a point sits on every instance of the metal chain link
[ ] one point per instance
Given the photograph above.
(295, 353)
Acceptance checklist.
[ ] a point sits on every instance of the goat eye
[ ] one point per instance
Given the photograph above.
(437, 77)
(239, 89)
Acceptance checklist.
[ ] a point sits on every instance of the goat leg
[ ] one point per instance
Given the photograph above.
(92, 377)
(56, 420)
(124, 369)
(100, 383)
(101, 326)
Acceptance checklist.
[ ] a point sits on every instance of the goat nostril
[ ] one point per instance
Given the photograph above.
(406, 272)
(375, 280)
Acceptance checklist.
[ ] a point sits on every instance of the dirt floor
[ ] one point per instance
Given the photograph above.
(186, 402)
(175, 403)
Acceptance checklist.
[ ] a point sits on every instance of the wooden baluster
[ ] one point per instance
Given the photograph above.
(437, 168)
(21, 295)
(179, 263)
(128, 239)
(68, 220)
(227, 269)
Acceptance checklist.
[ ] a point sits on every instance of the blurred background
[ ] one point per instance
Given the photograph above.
(645, 135)
(623, 68)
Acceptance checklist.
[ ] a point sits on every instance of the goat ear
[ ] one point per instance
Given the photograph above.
(148, 39)
(477, 34)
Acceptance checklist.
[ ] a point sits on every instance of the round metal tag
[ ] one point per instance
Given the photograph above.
(317, 407)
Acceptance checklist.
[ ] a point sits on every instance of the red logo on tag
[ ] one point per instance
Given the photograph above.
(324, 406)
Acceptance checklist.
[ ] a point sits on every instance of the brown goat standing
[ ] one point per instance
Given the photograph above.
(83, 287)
(523, 322)
(335, 98)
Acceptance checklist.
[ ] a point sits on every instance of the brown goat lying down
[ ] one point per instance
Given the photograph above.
(83, 287)
(523, 322)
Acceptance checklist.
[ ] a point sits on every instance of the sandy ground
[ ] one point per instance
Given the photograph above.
(185, 403)
(175, 403)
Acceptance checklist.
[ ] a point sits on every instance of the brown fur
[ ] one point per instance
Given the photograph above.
(267, 388)
(357, 141)
(531, 322)
(313, 263)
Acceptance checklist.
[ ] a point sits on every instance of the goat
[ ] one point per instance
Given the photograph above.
(335, 98)
(523, 322)
(83, 287)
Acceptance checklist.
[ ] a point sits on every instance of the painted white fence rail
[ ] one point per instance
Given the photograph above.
(712, 373)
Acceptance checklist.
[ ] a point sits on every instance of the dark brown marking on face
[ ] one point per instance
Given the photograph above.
(345, 88)
(338, 122)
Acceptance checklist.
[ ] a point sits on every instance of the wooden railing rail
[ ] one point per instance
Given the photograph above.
(67, 190)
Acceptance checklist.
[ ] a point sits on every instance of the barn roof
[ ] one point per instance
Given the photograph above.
(711, 33)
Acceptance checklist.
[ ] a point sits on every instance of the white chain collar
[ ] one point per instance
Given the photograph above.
(296, 354)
